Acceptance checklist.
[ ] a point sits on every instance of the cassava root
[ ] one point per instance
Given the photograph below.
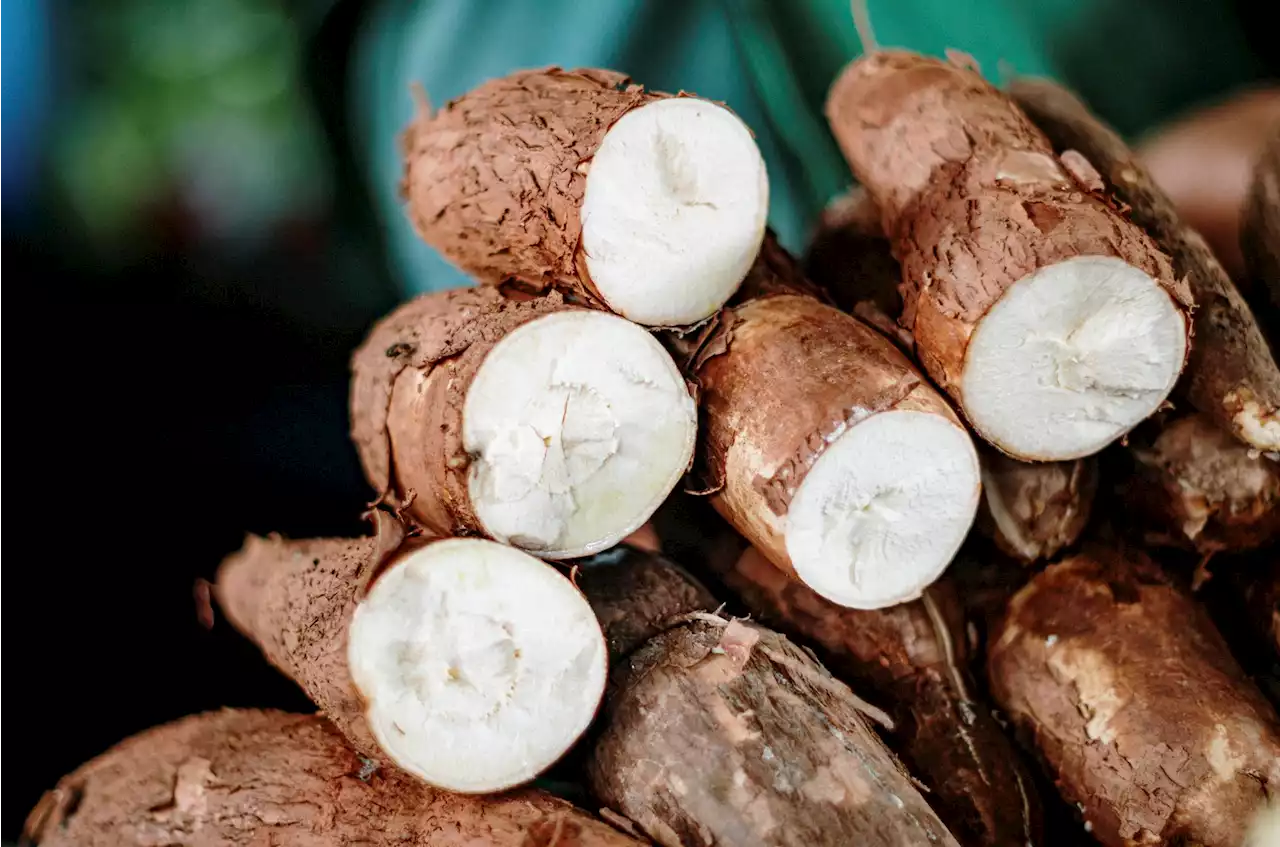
(468, 664)
(650, 204)
(826, 448)
(555, 429)
(1260, 226)
(1120, 682)
(723, 732)
(250, 778)
(912, 659)
(1231, 375)
(1055, 323)
(1198, 487)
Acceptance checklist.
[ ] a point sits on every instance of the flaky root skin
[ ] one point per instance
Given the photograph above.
(974, 200)
(250, 778)
(1033, 511)
(1198, 487)
(723, 732)
(1131, 698)
(910, 658)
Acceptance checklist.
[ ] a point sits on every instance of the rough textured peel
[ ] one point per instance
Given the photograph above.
(650, 204)
(1033, 511)
(252, 779)
(1260, 224)
(1055, 322)
(1130, 696)
(911, 659)
(555, 429)
(1231, 375)
(445, 667)
(826, 449)
(723, 732)
(1197, 486)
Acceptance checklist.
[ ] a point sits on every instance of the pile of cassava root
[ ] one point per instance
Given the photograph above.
(1006, 328)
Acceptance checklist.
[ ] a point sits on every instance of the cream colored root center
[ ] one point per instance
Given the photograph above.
(1071, 358)
(580, 425)
(674, 211)
(479, 665)
(884, 509)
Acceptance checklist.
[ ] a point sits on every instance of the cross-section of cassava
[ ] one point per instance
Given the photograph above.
(1197, 486)
(1130, 696)
(911, 659)
(468, 664)
(829, 451)
(554, 429)
(653, 205)
(1231, 375)
(723, 732)
(252, 779)
(1054, 322)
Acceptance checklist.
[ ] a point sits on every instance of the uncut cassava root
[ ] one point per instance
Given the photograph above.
(1054, 322)
(1198, 487)
(1134, 703)
(828, 450)
(651, 204)
(911, 658)
(551, 428)
(723, 732)
(468, 664)
(250, 779)
(1231, 375)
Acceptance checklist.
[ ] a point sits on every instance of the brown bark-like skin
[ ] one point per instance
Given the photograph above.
(636, 594)
(409, 384)
(1133, 701)
(294, 599)
(971, 196)
(723, 732)
(1033, 511)
(1198, 487)
(1260, 224)
(270, 779)
(495, 179)
(776, 375)
(1231, 375)
(911, 659)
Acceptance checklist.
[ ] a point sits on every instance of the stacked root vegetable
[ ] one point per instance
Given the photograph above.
(1007, 295)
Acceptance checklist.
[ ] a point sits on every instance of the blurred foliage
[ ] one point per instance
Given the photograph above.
(187, 108)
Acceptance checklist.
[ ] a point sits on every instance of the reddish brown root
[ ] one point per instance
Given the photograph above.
(1131, 698)
(249, 778)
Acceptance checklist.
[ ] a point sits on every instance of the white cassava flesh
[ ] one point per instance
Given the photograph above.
(580, 425)
(674, 211)
(479, 665)
(884, 509)
(1072, 357)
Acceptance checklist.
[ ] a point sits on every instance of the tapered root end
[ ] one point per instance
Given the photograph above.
(884, 509)
(674, 211)
(478, 664)
(1071, 358)
(579, 425)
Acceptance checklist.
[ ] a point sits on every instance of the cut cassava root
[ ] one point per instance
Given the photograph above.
(1131, 698)
(1231, 375)
(651, 204)
(826, 449)
(1055, 323)
(468, 664)
(250, 778)
(1033, 511)
(555, 429)
(910, 658)
(723, 732)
